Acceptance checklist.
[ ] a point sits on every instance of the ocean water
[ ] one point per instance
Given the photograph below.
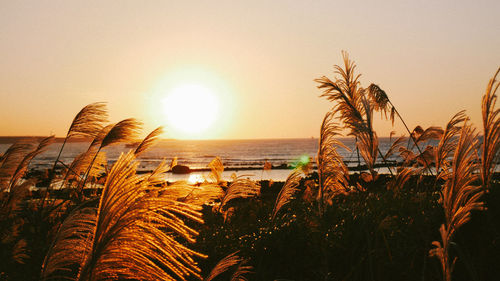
(241, 156)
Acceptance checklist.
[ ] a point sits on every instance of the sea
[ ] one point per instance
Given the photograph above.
(241, 157)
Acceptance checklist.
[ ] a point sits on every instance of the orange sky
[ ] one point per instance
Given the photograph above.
(258, 57)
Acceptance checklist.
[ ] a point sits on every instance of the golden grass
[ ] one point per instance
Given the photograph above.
(491, 131)
(240, 188)
(223, 265)
(460, 196)
(287, 192)
(332, 171)
(141, 227)
(216, 169)
(87, 123)
(149, 141)
(135, 231)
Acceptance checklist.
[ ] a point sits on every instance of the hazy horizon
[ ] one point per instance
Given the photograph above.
(257, 59)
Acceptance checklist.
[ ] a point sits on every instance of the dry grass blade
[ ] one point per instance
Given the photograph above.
(399, 181)
(20, 251)
(448, 144)
(23, 166)
(420, 135)
(81, 163)
(395, 146)
(10, 201)
(491, 131)
(368, 148)
(216, 169)
(426, 158)
(136, 231)
(173, 163)
(196, 195)
(123, 131)
(88, 158)
(149, 141)
(87, 123)
(223, 265)
(407, 155)
(332, 171)
(240, 188)
(460, 197)
(368, 140)
(96, 142)
(11, 159)
(286, 192)
(239, 273)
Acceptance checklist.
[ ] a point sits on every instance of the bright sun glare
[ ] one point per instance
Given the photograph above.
(191, 109)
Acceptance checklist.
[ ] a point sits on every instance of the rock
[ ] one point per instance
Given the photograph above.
(181, 169)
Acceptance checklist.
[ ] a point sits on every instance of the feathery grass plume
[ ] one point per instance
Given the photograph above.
(448, 144)
(287, 192)
(223, 265)
(134, 232)
(123, 131)
(196, 195)
(426, 158)
(398, 182)
(459, 197)
(394, 146)
(491, 131)
(242, 269)
(368, 140)
(71, 245)
(149, 141)
(347, 95)
(407, 155)
(419, 135)
(80, 164)
(216, 169)
(332, 171)
(20, 251)
(96, 142)
(354, 108)
(10, 201)
(23, 166)
(240, 188)
(381, 102)
(173, 163)
(87, 123)
(10, 160)
(368, 148)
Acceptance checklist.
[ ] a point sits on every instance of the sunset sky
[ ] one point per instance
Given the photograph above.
(256, 60)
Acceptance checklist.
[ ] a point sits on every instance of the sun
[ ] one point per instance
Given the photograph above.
(191, 109)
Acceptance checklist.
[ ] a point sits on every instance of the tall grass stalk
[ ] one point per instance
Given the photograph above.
(491, 131)
(460, 196)
(87, 123)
